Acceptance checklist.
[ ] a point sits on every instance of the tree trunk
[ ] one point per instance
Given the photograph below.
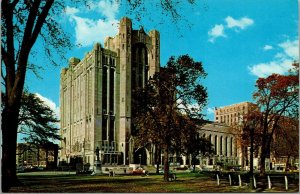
(287, 165)
(265, 149)
(157, 155)
(263, 155)
(262, 164)
(166, 163)
(9, 145)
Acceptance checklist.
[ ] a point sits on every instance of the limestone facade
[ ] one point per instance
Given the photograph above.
(233, 114)
(95, 95)
(225, 143)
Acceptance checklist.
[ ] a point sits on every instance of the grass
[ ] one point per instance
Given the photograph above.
(69, 183)
(186, 182)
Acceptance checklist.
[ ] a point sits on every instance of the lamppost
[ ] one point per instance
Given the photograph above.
(67, 158)
(98, 162)
(251, 128)
(97, 153)
(140, 156)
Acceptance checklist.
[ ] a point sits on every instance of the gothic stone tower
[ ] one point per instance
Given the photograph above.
(95, 95)
(139, 59)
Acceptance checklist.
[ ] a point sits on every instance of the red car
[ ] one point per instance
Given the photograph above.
(140, 171)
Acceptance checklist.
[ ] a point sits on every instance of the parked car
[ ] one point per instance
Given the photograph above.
(140, 171)
(161, 171)
(20, 169)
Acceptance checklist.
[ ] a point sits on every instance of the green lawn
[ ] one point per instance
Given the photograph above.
(53, 182)
(186, 182)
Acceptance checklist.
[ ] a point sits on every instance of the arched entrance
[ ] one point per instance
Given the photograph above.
(140, 156)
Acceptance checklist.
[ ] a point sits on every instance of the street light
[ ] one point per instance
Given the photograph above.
(67, 158)
(140, 159)
(97, 153)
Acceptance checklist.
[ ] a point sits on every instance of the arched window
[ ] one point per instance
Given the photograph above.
(139, 66)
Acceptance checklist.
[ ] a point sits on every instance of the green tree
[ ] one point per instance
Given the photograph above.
(37, 121)
(278, 97)
(23, 22)
(166, 104)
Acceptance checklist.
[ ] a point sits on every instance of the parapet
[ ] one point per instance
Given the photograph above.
(97, 46)
(125, 20)
(73, 61)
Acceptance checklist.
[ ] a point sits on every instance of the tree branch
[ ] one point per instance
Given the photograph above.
(40, 21)
(7, 11)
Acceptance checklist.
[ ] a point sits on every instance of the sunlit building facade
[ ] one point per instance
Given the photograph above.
(95, 95)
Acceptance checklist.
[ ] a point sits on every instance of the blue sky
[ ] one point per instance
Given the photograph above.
(237, 42)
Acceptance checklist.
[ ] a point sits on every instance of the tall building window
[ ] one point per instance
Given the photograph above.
(111, 130)
(104, 128)
(104, 90)
(111, 90)
(139, 65)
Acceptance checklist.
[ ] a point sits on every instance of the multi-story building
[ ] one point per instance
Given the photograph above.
(225, 144)
(32, 155)
(96, 95)
(233, 114)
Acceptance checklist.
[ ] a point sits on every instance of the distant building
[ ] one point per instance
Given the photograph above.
(225, 143)
(40, 156)
(95, 95)
(233, 114)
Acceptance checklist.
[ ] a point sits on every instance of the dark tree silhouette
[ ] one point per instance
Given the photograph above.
(164, 108)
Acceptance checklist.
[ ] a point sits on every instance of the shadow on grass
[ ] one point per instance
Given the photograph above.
(119, 184)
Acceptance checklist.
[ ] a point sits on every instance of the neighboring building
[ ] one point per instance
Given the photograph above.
(233, 114)
(225, 144)
(95, 95)
(40, 156)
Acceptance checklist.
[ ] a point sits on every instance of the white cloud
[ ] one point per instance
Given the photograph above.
(266, 69)
(108, 9)
(282, 61)
(89, 31)
(49, 103)
(210, 110)
(219, 29)
(242, 23)
(268, 47)
(216, 31)
(291, 48)
(71, 10)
